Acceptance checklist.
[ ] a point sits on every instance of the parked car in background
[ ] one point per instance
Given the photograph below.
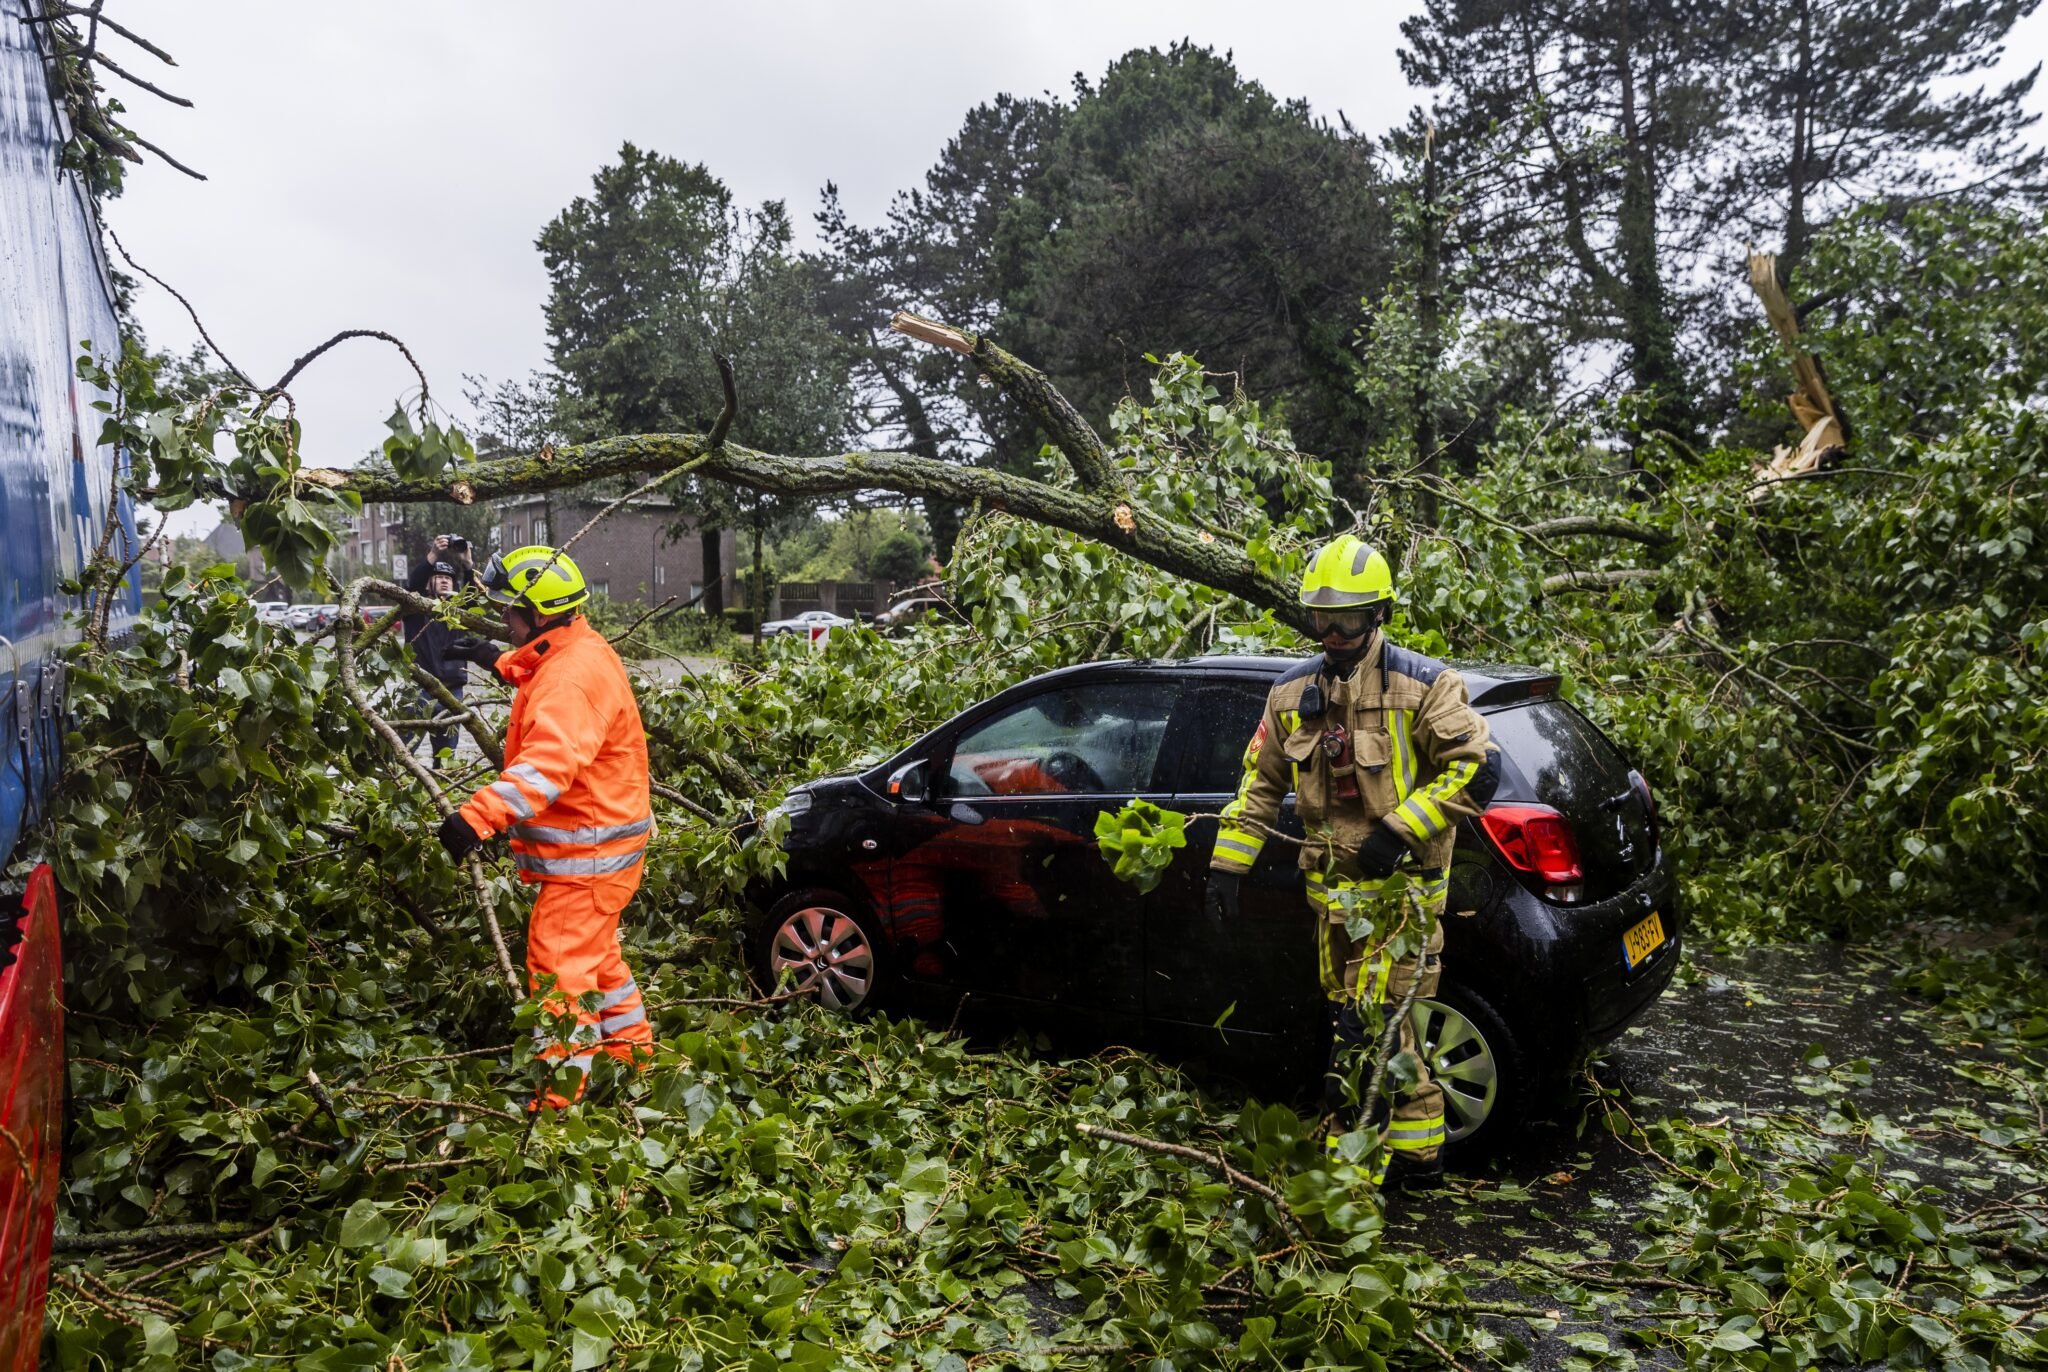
(272, 611)
(967, 866)
(905, 613)
(313, 619)
(805, 622)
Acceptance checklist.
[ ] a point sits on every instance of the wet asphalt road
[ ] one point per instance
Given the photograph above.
(1737, 1038)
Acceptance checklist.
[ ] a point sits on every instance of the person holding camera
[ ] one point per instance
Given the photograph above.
(440, 650)
(451, 550)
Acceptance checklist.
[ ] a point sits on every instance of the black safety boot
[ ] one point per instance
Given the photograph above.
(1408, 1174)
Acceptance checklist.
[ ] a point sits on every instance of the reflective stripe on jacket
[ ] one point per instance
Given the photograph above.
(573, 796)
(1412, 752)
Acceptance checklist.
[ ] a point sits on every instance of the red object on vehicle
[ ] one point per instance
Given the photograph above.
(1538, 840)
(31, 1122)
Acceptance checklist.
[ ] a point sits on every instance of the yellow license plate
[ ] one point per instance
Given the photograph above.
(1643, 940)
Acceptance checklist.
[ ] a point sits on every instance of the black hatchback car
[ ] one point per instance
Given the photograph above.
(966, 866)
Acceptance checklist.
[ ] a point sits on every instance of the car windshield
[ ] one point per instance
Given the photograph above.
(1102, 739)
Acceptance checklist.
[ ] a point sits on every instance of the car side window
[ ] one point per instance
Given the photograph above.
(1102, 739)
(1221, 720)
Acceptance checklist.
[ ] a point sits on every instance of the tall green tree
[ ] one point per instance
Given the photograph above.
(1173, 205)
(1617, 109)
(1844, 103)
(950, 250)
(652, 275)
(1185, 207)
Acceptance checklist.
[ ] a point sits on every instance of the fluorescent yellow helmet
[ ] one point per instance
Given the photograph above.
(537, 576)
(1347, 573)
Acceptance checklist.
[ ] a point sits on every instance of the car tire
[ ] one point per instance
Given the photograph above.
(827, 945)
(1478, 1062)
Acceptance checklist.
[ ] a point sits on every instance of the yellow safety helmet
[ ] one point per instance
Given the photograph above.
(1347, 573)
(537, 576)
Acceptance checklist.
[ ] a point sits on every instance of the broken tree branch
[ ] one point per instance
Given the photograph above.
(103, 60)
(1596, 581)
(197, 323)
(305, 361)
(1215, 1160)
(345, 650)
(1601, 526)
(1097, 515)
(148, 1237)
(1070, 432)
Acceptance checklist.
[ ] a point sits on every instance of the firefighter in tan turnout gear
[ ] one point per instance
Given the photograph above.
(1385, 755)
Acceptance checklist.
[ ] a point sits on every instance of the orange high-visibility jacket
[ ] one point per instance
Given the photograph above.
(573, 795)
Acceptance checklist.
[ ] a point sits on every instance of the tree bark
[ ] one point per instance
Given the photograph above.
(1797, 172)
(1429, 310)
(1071, 433)
(714, 573)
(1651, 332)
(1101, 516)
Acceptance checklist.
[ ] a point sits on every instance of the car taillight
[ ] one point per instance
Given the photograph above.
(1538, 840)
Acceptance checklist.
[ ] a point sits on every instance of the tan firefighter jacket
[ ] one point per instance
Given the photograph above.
(1396, 739)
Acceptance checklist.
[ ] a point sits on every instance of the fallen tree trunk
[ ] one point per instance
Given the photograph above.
(1099, 515)
(1095, 507)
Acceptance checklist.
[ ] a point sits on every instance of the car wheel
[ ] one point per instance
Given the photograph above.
(817, 943)
(1475, 1058)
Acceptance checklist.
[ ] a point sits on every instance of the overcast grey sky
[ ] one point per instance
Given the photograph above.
(384, 165)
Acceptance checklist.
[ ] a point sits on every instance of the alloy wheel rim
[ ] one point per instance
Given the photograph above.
(1462, 1063)
(822, 952)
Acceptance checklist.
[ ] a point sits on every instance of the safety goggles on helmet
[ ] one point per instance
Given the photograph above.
(1353, 623)
(541, 578)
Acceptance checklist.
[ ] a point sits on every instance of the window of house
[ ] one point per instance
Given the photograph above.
(540, 528)
(603, 588)
(660, 575)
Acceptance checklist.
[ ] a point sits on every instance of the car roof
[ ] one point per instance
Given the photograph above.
(1486, 683)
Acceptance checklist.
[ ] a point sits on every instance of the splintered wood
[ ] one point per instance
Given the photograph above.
(1811, 404)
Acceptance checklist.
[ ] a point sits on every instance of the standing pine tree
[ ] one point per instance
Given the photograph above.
(1843, 104)
(1616, 109)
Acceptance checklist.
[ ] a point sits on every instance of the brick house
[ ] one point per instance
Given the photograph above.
(629, 557)
(375, 540)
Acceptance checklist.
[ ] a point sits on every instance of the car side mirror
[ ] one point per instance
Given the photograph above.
(907, 783)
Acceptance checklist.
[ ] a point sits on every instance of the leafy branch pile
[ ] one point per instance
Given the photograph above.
(284, 1020)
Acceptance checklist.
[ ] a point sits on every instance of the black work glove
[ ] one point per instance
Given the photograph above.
(1223, 899)
(1381, 852)
(457, 837)
(470, 648)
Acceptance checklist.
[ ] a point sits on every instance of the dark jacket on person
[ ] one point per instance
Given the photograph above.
(432, 641)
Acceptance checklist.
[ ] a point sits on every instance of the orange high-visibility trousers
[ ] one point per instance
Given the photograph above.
(574, 939)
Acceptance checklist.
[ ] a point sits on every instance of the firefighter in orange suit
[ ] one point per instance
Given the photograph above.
(573, 799)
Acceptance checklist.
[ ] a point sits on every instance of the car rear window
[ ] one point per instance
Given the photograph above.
(1559, 753)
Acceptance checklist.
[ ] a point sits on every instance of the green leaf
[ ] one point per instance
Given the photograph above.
(364, 1225)
(390, 1280)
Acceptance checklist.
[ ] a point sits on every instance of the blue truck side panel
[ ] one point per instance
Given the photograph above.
(55, 480)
